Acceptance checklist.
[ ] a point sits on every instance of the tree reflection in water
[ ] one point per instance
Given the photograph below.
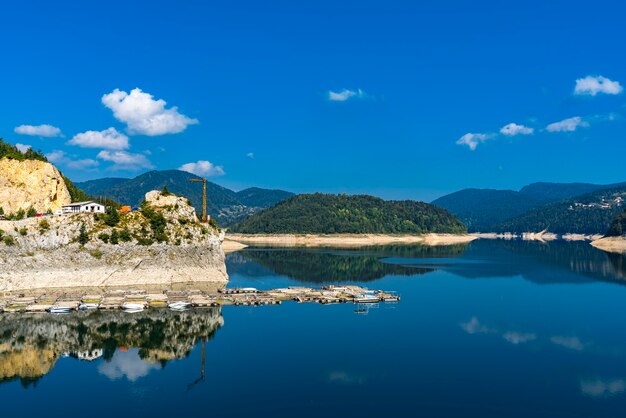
(336, 266)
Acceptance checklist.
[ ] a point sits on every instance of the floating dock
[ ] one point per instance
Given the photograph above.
(118, 299)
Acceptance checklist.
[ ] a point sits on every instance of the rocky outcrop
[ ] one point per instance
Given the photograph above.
(163, 246)
(31, 183)
(176, 205)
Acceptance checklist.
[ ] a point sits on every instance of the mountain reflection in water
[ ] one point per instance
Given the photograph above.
(130, 344)
(575, 262)
(335, 266)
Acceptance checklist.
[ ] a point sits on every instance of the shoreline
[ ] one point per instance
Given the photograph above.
(615, 245)
(536, 236)
(347, 240)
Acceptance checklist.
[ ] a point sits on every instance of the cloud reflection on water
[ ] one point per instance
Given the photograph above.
(602, 388)
(126, 364)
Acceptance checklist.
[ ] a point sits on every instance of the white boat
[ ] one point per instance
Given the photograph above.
(133, 307)
(179, 306)
(391, 298)
(88, 306)
(366, 298)
(59, 309)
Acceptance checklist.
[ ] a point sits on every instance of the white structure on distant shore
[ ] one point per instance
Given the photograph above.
(89, 206)
(89, 355)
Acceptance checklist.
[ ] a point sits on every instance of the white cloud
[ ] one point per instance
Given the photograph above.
(345, 94)
(47, 131)
(22, 147)
(55, 156)
(573, 343)
(602, 388)
(472, 140)
(125, 160)
(513, 129)
(59, 157)
(591, 86)
(519, 337)
(107, 139)
(82, 164)
(567, 125)
(145, 116)
(203, 169)
(250, 155)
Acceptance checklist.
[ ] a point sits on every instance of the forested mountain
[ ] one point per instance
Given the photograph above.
(591, 213)
(263, 198)
(618, 226)
(553, 192)
(535, 207)
(336, 214)
(223, 204)
(480, 209)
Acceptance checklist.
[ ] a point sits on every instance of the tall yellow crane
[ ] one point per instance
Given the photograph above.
(203, 181)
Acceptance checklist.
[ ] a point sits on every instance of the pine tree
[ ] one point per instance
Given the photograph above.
(83, 237)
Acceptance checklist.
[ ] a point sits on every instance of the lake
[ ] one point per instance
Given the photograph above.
(489, 329)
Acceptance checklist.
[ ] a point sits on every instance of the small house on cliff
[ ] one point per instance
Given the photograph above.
(89, 206)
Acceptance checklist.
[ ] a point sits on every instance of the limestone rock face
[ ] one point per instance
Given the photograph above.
(177, 204)
(31, 183)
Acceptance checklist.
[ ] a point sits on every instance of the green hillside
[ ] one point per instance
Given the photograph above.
(533, 208)
(618, 226)
(263, 198)
(480, 209)
(552, 192)
(591, 213)
(224, 205)
(337, 214)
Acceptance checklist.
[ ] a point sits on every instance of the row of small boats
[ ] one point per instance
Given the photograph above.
(128, 307)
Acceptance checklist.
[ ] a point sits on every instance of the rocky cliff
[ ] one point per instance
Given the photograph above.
(31, 183)
(162, 246)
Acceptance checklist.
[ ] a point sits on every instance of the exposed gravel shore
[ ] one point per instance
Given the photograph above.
(349, 240)
(611, 244)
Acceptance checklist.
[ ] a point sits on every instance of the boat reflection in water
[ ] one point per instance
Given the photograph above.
(130, 345)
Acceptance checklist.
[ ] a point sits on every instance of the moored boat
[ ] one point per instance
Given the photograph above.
(179, 306)
(132, 307)
(366, 298)
(59, 309)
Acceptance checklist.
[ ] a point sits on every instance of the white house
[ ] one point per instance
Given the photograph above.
(89, 206)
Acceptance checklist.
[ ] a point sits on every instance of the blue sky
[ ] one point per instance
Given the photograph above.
(248, 86)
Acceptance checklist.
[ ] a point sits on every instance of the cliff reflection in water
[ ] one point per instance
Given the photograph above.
(130, 344)
(336, 266)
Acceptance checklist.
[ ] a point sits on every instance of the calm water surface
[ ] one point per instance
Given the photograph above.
(492, 329)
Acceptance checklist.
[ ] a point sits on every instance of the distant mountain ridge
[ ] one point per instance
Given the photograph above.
(560, 207)
(224, 205)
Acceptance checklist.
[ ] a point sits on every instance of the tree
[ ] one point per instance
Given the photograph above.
(20, 215)
(112, 218)
(83, 237)
(125, 235)
(31, 212)
(115, 238)
(165, 191)
(1, 211)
